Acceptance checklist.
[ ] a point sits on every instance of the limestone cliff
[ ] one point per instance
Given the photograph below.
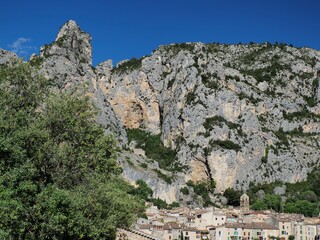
(234, 113)
(68, 63)
(231, 113)
(6, 56)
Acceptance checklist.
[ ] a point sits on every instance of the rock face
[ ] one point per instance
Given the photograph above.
(234, 114)
(6, 56)
(68, 59)
(68, 63)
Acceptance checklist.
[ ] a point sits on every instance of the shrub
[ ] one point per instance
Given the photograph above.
(144, 165)
(233, 196)
(154, 149)
(259, 205)
(282, 136)
(132, 64)
(184, 190)
(227, 144)
(209, 81)
(264, 158)
(167, 179)
(191, 96)
(202, 189)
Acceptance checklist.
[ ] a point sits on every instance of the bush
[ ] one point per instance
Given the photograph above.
(154, 149)
(227, 144)
(202, 189)
(142, 190)
(184, 190)
(159, 203)
(191, 96)
(233, 196)
(259, 205)
(132, 64)
(210, 81)
(282, 136)
(167, 179)
(264, 158)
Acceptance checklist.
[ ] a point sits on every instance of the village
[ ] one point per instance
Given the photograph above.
(221, 224)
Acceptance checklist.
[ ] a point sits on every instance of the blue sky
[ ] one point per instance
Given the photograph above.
(123, 29)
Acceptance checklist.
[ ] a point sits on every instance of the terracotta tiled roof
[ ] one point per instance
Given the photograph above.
(254, 225)
(172, 225)
(201, 211)
(191, 229)
(145, 226)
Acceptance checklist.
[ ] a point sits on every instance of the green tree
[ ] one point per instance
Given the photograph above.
(309, 196)
(143, 190)
(59, 178)
(290, 207)
(233, 196)
(314, 179)
(291, 237)
(301, 206)
(273, 201)
(259, 205)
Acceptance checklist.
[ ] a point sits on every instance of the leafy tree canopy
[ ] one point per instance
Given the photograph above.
(59, 178)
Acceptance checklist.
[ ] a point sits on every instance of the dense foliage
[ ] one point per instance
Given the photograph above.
(59, 178)
(203, 189)
(145, 192)
(154, 149)
(300, 197)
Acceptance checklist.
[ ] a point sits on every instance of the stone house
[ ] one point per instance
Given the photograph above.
(172, 231)
(190, 233)
(245, 231)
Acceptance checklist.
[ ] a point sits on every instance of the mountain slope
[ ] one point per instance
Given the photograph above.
(229, 114)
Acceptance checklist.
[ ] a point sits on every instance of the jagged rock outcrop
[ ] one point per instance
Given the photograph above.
(233, 114)
(6, 56)
(68, 59)
(68, 63)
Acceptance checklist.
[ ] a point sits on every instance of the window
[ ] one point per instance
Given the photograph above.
(219, 233)
(169, 237)
(187, 233)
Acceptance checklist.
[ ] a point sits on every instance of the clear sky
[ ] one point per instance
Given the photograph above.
(123, 29)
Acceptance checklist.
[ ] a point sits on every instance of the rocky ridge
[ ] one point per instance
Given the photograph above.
(6, 56)
(232, 114)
